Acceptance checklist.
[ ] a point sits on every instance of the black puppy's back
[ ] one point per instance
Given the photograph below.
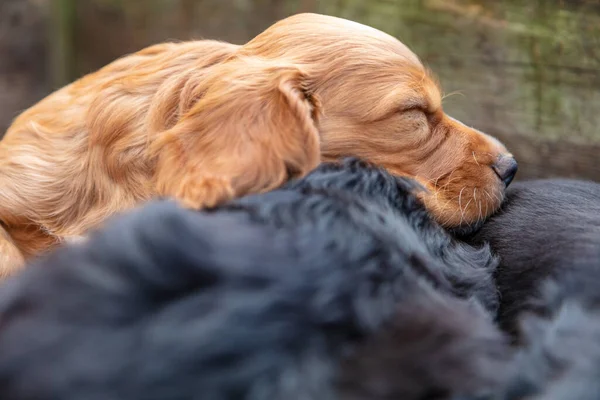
(547, 235)
(545, 229)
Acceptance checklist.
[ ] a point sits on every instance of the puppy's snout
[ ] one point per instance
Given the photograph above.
(506, 168)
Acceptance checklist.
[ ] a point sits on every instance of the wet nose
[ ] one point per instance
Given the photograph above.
(506, 168)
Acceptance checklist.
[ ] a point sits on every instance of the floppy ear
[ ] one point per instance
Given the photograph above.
(11, 259)
(252, 126)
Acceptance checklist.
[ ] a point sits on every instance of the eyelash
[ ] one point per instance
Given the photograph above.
(413, 108)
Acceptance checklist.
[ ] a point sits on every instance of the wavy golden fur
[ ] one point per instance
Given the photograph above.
(206, 121)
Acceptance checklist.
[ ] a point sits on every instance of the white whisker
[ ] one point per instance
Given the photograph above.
(479, 202)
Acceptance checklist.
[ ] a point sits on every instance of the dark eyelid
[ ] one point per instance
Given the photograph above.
(433, 117)
(413, 107)
(403, 109)
(413, 104)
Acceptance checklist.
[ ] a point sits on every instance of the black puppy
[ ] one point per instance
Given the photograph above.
(338, 286)
(548, 238)
(545, 229)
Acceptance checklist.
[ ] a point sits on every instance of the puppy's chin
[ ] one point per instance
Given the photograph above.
(466, 230)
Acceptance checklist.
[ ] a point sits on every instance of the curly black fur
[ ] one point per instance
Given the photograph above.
(338, 286)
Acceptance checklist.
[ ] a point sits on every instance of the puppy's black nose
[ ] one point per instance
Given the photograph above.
(506, 168)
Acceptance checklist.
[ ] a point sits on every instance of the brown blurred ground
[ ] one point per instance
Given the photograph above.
(525, 71)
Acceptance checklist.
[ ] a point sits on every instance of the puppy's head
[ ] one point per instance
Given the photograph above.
(381, 104)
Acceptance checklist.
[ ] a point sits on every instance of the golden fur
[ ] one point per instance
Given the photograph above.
(206, 121)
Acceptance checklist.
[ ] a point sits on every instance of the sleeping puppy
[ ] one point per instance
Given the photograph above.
(204, 122)
(547, 235)
(286, 295)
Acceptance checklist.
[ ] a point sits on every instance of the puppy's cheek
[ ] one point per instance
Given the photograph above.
(464, 201)
(437, 206)
(435, 202)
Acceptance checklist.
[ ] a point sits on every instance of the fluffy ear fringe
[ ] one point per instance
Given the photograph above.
(252, 127)
(11, 258)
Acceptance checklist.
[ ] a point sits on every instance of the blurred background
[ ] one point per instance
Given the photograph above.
(525, 71)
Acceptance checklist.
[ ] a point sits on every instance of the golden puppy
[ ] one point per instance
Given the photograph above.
(206, 121)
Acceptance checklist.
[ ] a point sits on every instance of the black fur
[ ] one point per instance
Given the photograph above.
(303, 293)
(546, 229)
(548, 238)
